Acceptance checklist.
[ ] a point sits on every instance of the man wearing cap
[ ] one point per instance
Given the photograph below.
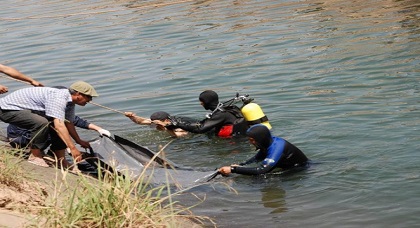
(161, 116)
(42, 110)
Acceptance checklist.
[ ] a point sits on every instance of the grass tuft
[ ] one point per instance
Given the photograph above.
(113, 200)
(108, 200)
(11, 173)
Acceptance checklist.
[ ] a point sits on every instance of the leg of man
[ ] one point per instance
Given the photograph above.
(59, 148)
(18, 137)
(37, 126)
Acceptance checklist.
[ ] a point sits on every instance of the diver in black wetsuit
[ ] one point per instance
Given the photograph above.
(274, 152)
(225, 121)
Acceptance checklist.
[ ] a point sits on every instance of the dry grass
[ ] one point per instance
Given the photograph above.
(56, 198)
(11, 175)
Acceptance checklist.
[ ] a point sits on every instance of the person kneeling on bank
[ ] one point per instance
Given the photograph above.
(51, 117)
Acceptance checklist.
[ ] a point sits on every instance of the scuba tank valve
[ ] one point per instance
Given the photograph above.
(252, 112)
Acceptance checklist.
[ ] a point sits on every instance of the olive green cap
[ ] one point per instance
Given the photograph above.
(84, 87)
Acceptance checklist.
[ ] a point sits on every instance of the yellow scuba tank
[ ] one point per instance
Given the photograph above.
(254, 115)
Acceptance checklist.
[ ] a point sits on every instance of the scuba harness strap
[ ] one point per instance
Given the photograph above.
(252, 112)
(218, 108)
(258, 121)
(249, 114)
(238, 127)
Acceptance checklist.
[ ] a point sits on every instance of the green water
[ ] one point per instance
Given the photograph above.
(338, 79)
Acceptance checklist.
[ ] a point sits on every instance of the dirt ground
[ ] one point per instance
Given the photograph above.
(11, 219)
(17, 205)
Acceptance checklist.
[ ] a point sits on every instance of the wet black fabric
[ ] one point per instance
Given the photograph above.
(220, 117)
(214, 123)
(132, 160)
(262, 136)
(210, 99)
(292, 157)
(274, 152)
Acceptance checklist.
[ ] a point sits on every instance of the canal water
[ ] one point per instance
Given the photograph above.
(339, 79)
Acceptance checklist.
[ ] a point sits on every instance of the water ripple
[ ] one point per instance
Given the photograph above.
(339, 79)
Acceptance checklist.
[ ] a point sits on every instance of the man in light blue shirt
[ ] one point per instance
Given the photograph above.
(42, 111)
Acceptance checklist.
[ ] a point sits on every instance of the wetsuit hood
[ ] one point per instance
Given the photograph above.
(210, 99)
(261, 134)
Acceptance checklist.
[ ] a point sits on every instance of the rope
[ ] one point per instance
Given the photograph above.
(90, 102)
